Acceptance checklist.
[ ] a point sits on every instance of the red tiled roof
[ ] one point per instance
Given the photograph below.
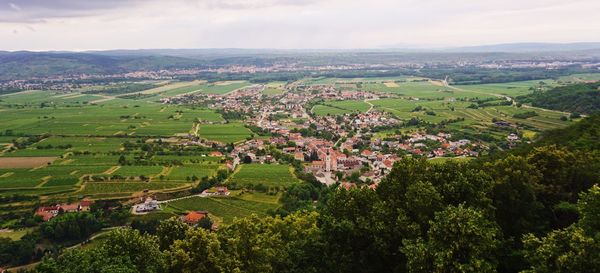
(195, 216)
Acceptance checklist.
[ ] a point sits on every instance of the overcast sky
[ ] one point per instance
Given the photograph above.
(132, 24)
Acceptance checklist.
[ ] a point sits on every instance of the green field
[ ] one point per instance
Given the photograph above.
(424, 90)
(119, 188)
(127, 171)
(36, 113)
(268, 175)
(340, 107)
(187, 171)
(225, 133)
(511, 89)
(475, 120)
(220, 88)
(225, 209)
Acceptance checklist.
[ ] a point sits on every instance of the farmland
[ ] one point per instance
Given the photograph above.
(225, 209)
(82, 139)
(267, 175)
(224, 133)
(340, 107)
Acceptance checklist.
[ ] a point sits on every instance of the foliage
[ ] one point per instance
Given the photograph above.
(460, 239)
(70, 227)
(582, 98)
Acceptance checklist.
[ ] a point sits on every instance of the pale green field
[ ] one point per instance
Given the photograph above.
(511, 89)
(340, 107)
(225, 133)
(268, 175)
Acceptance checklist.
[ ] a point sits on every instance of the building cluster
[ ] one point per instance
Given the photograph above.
(49, 212)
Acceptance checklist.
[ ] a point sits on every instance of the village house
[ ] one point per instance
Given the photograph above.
(148, 205)
(193, 217)
(219, 191)
(49, 212)
(215, 154)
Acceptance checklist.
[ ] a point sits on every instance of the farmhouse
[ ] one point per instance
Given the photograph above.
(47, 213)
(215, 154)
(50, 212)
(193, 217)
(222, 191)
(147, 206)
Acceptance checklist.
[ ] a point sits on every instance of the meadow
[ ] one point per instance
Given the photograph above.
(511, 89)
(340, 107)
(22, 115)
(224, 133)
(268, 175)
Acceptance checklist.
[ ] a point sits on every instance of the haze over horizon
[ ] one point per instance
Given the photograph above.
(291, 24)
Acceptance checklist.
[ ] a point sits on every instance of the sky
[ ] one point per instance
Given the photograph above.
(291, 24)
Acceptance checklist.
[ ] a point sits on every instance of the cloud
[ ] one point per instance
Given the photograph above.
(35, 11)
(255, 4)
(107, 24)
(14, 6)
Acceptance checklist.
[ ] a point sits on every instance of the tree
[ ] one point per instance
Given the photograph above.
(122, 251)
(589, 210)
(141, 250)
(199, 251)
(461, 239)
(169, 231)
(514, 197)
(574, 249)
(568, 250)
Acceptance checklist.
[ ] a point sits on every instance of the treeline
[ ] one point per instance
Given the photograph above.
(478, 75)
(576, 98)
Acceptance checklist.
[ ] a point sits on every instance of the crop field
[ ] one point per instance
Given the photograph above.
(274, 89)
(578, 78)
(82, 144)
(225, 133)
(122, 117)
(172, 86)
(224, 209)
(511, 89)
(423, 90)
(25, 162)
(54, 97)
(99, 189)
(19, 178)
(340, 107)
(50, 176)
(220, 88)
(445, 110)
(371, 80)
(268, 175)
(187, 171)
(127, 171)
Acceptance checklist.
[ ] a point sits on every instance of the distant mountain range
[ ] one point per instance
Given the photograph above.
(527, 47)
(26, 64)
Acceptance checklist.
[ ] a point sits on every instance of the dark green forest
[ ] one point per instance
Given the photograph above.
(536, 209)
(575, 98)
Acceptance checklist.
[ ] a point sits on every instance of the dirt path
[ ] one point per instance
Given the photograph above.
(368, 101)
(104, 98)
(112, 170)
(5, 150)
